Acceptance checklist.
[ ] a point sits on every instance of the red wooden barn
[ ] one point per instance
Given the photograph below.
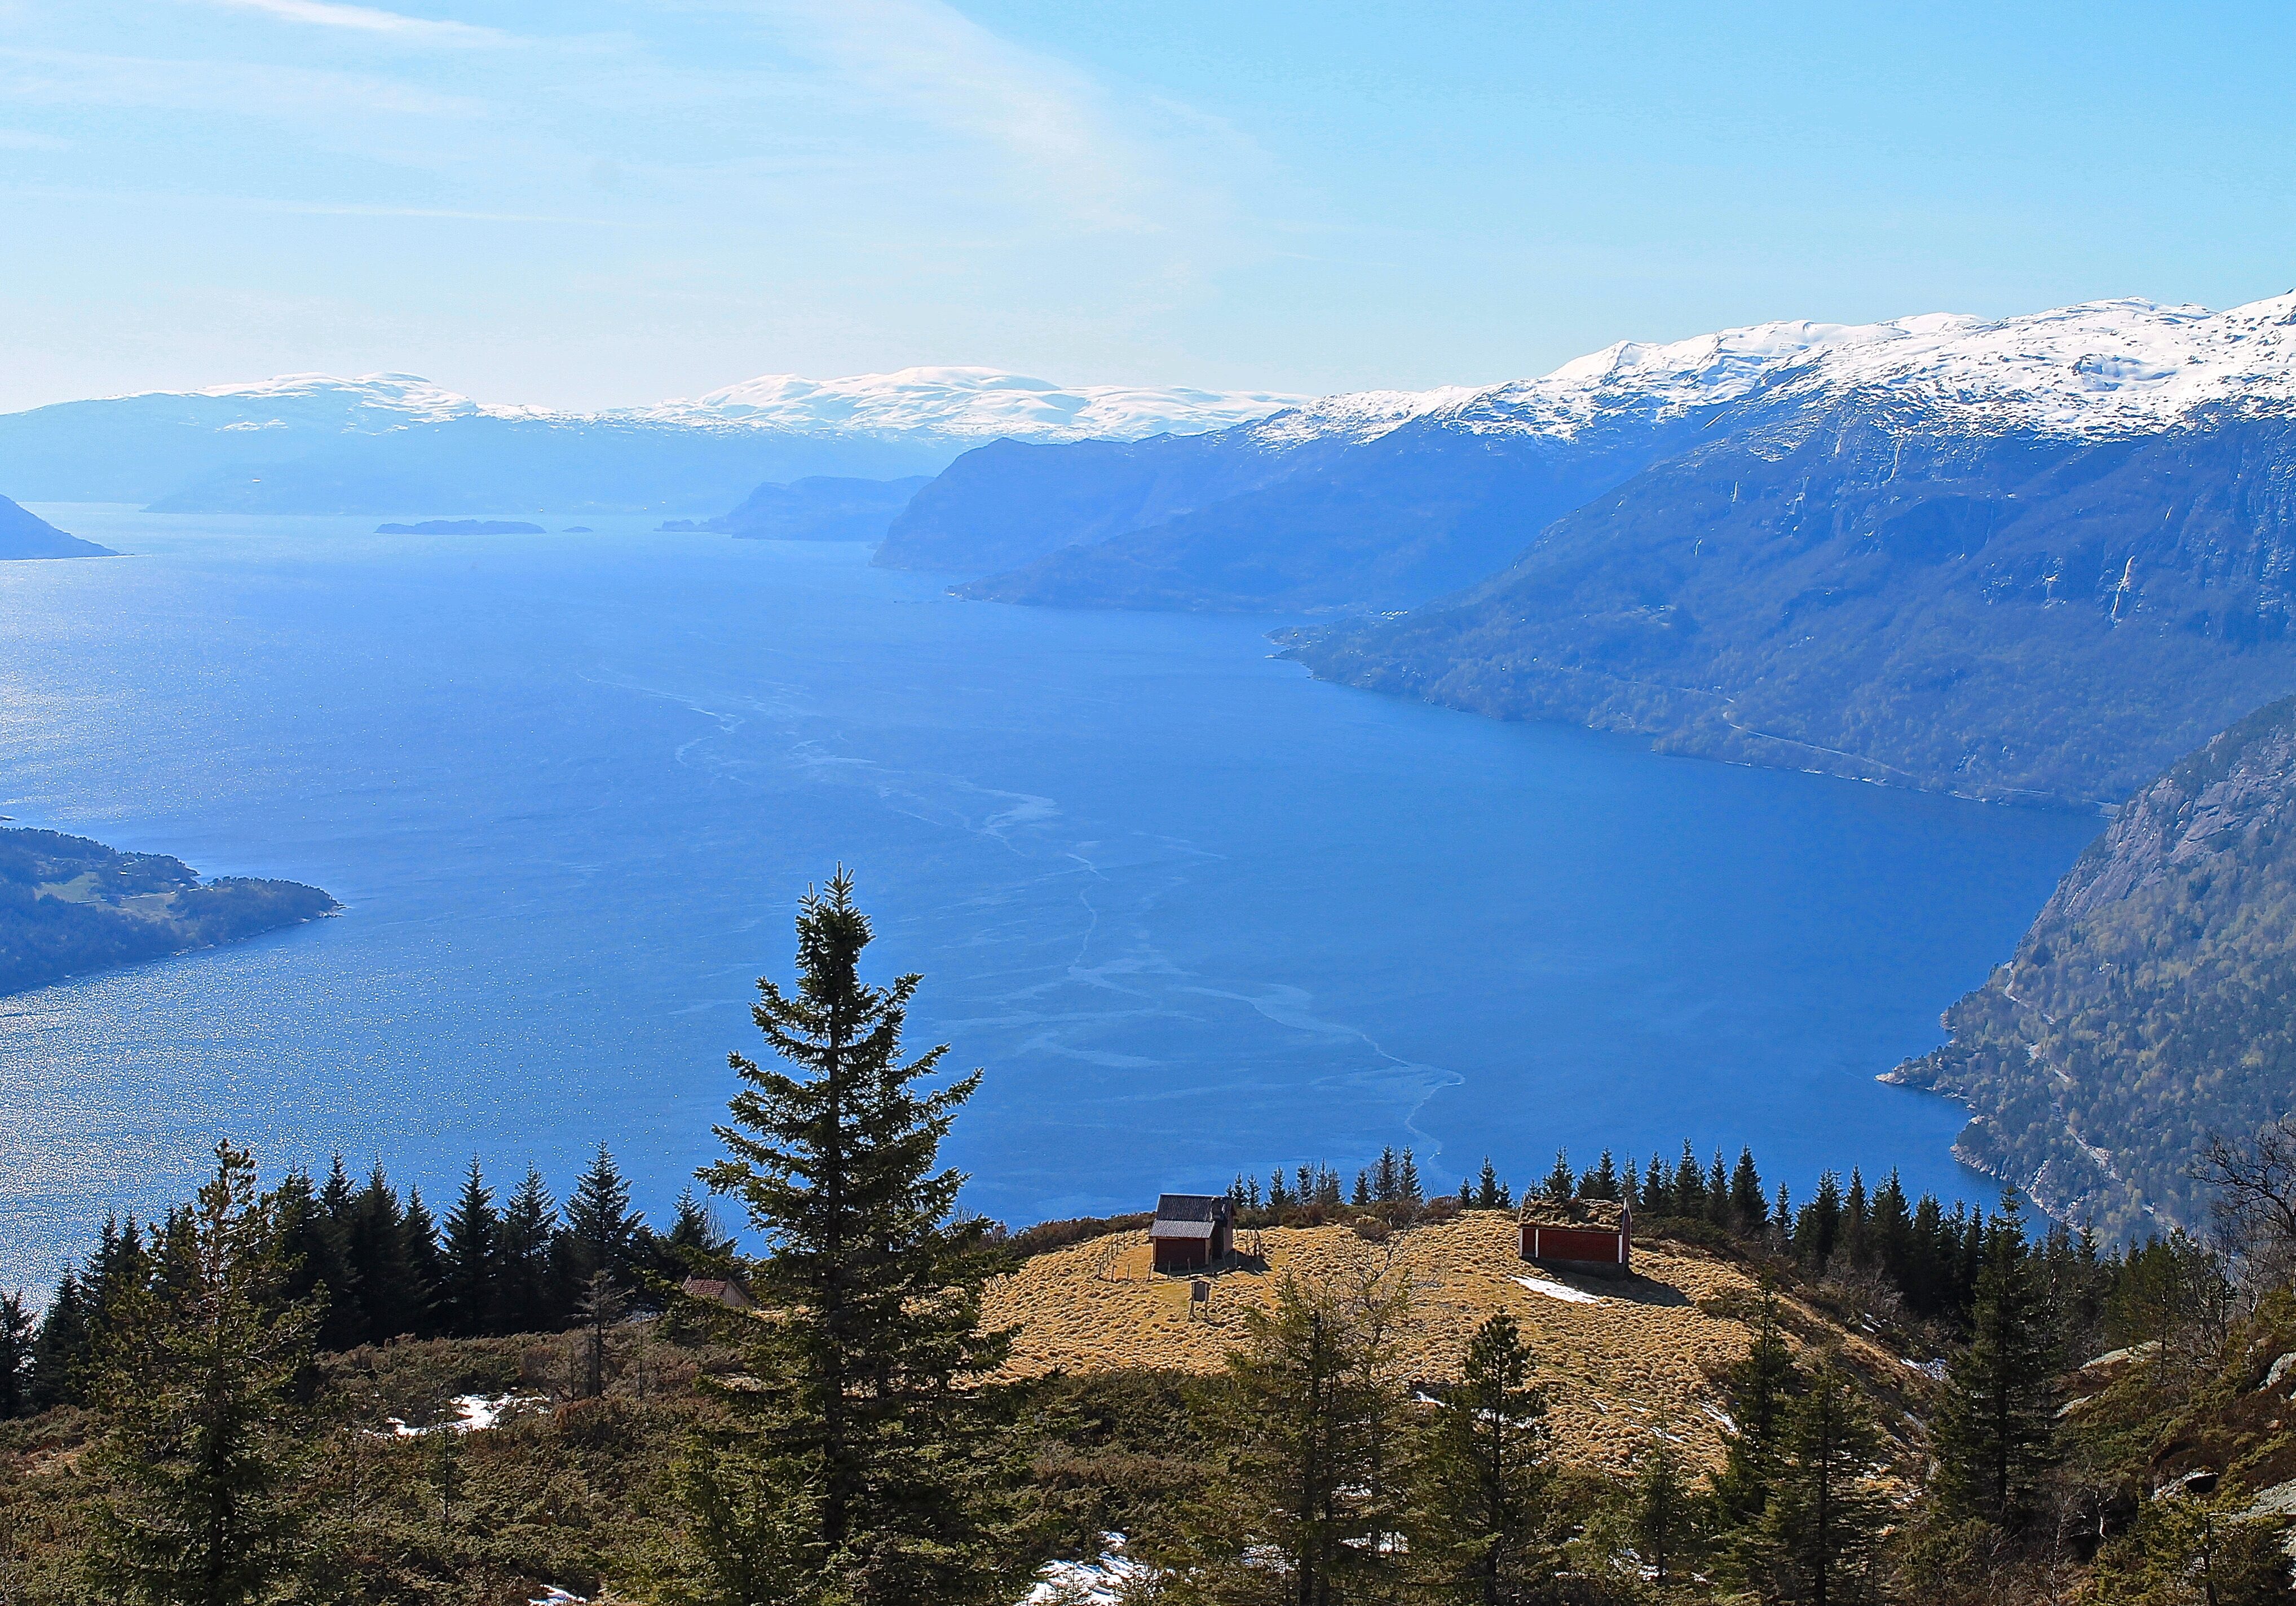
(1579, 1234)
(1190, 1232)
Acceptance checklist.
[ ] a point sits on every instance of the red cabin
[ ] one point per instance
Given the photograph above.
(1191, 1231)
(1579, 1236)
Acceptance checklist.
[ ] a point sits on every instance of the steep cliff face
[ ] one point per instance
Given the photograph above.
(2149, 1005)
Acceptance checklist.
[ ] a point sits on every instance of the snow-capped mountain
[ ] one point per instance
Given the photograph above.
(394, 442)
(978, 402)
(2097, 370)
(2031, 557)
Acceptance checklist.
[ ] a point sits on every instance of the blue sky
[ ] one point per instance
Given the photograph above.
(581, 203)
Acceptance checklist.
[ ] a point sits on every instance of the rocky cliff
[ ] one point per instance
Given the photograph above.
(2148, 1006)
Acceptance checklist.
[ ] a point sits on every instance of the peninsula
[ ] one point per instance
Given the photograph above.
(69, 906)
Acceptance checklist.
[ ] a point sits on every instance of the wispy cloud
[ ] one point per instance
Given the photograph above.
(924, 59)
(145, 83)
(373, 20)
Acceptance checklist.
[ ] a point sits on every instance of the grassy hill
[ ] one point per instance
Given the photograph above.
(1621, 1359)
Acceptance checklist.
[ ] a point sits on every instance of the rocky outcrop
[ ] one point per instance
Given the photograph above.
(2147, 1008)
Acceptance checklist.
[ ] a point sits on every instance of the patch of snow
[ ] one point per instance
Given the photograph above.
(474, 1414)
(552, 1596)
(2113, 1358)
(1559, 1290)
(2280, 1368)
(1929, 1369)
(1099, 1583)
(1729, 1422)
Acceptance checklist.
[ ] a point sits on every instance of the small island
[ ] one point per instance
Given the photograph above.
(462, 526)
(69, 906)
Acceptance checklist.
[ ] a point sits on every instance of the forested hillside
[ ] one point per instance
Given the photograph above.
(2010, 618)
(69, 906)
(2148, 1008)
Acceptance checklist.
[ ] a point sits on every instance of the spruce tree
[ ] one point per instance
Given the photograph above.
(471, 1267)
(312, 1239)
(1562, 1183)
(376, 1245)
(1482, 1533)
(198, 1389)
(602, 1234)
(1758, 1390)
(1658, 1188)
(1820, 1534)
(17, 1332)
(1665, 1513)
(426, 1273)
(1997, 1434)
(1857, 1236)
(1362, 1197)
(1747, 1201)
(1718, 1194)
(867, 1425)
(1818, 1233)
(1406, 1180)
(1689, 1185)
(1312, 1489)
(526, 1291)
(1892, 1231)
(1387, 1180)
(59, 1349)
(1489, 1195)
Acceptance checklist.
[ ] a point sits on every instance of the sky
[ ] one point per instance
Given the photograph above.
(577, 203)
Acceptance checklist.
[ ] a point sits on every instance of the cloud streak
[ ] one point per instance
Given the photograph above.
(372, 20)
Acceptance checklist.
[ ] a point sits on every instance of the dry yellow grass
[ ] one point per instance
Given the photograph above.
(1639, 1363)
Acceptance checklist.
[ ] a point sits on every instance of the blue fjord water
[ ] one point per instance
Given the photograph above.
(1195, 913)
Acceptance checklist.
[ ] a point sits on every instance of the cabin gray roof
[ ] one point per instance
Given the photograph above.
(1601, 1214)
(1188, 1215)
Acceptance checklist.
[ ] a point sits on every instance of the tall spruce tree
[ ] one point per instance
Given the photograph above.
(375, 1244)
(1748, 1203)
(867, 1426)
(198, 1389)
(602, 1234)
(1312, 1494)
(1759, 1389)
(471, 1260)
(1482, 1528)
(312, 1239)
(426, 1273)
(1996, 1433)
(525, 1292)
(1665, 1513)
(1689, 1183)
(1820, 1535)
(59, 1349)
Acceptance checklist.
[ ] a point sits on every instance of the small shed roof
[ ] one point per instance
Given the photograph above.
(719, 1290)
(1188, 1215)
(1602, 1215)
